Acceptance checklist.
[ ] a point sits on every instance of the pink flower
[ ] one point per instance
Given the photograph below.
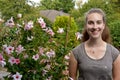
(60, 30)
(1, 57)
(43, 25)
(19, 49)
(10, 22)
(9, 49)
(41, 50)
(12, 60)
(2, 62)
(78, 35)
(17, 61)
(35, 57)
(50, 54)
(50, 31)
(17, 76)
(29, 25)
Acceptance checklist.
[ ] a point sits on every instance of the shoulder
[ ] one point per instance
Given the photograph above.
(80, 46)
(114, 51)
(78, 50)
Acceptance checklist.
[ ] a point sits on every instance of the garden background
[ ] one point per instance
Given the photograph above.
(34, 48)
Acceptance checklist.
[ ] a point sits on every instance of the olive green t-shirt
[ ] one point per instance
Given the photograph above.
(95, 69)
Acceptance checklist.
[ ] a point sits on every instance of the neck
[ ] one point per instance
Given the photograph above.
(95, 42)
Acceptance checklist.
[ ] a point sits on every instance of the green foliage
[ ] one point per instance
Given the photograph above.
(115, 30)
(69, 26)
(64, 5)
(10, 8)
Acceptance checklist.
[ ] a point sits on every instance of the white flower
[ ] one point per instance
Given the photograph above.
(67, 57)
(30, 38)
(40, 20)
(17, 76)
(35, 57)
(60, 30)
(19, 15)
(1, 20)
(2, 63)
(4, 46)
(78, 35)
(10, 22)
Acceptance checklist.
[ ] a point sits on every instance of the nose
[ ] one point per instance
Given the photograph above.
(94, 25)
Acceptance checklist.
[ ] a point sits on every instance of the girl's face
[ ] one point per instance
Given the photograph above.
(95, 25)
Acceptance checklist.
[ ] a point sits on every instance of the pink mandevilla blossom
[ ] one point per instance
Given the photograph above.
(2, 62)
(41, 50)
(17, 76)
(29, 25)
(9, 49)
(50, 32)
(19, 49)
(50, 54)
(43, 25)
(78, 35)
(35, 57)
(11, 60)
(17, 61)
(60, 30)
(41, 22)
(10, 22)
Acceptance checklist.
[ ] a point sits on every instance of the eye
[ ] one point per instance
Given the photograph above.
(99, 22)
(90, 22)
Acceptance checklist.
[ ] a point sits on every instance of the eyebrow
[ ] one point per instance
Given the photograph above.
(92, 20)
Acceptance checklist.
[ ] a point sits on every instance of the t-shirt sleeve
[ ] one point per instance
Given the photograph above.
(115, 53)
(74, 51)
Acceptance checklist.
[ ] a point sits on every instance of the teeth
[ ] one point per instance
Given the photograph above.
(93, 29)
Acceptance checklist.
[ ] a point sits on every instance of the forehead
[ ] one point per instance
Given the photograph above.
(94, 16)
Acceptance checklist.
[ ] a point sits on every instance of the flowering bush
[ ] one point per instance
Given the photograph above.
(30, 50)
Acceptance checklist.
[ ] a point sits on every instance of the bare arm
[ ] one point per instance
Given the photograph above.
(116, 69)
(72, 67)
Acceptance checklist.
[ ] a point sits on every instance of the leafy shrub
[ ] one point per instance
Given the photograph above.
(30, 50)
(115, 30)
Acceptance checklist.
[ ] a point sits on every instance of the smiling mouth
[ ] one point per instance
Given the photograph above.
(95, 29)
